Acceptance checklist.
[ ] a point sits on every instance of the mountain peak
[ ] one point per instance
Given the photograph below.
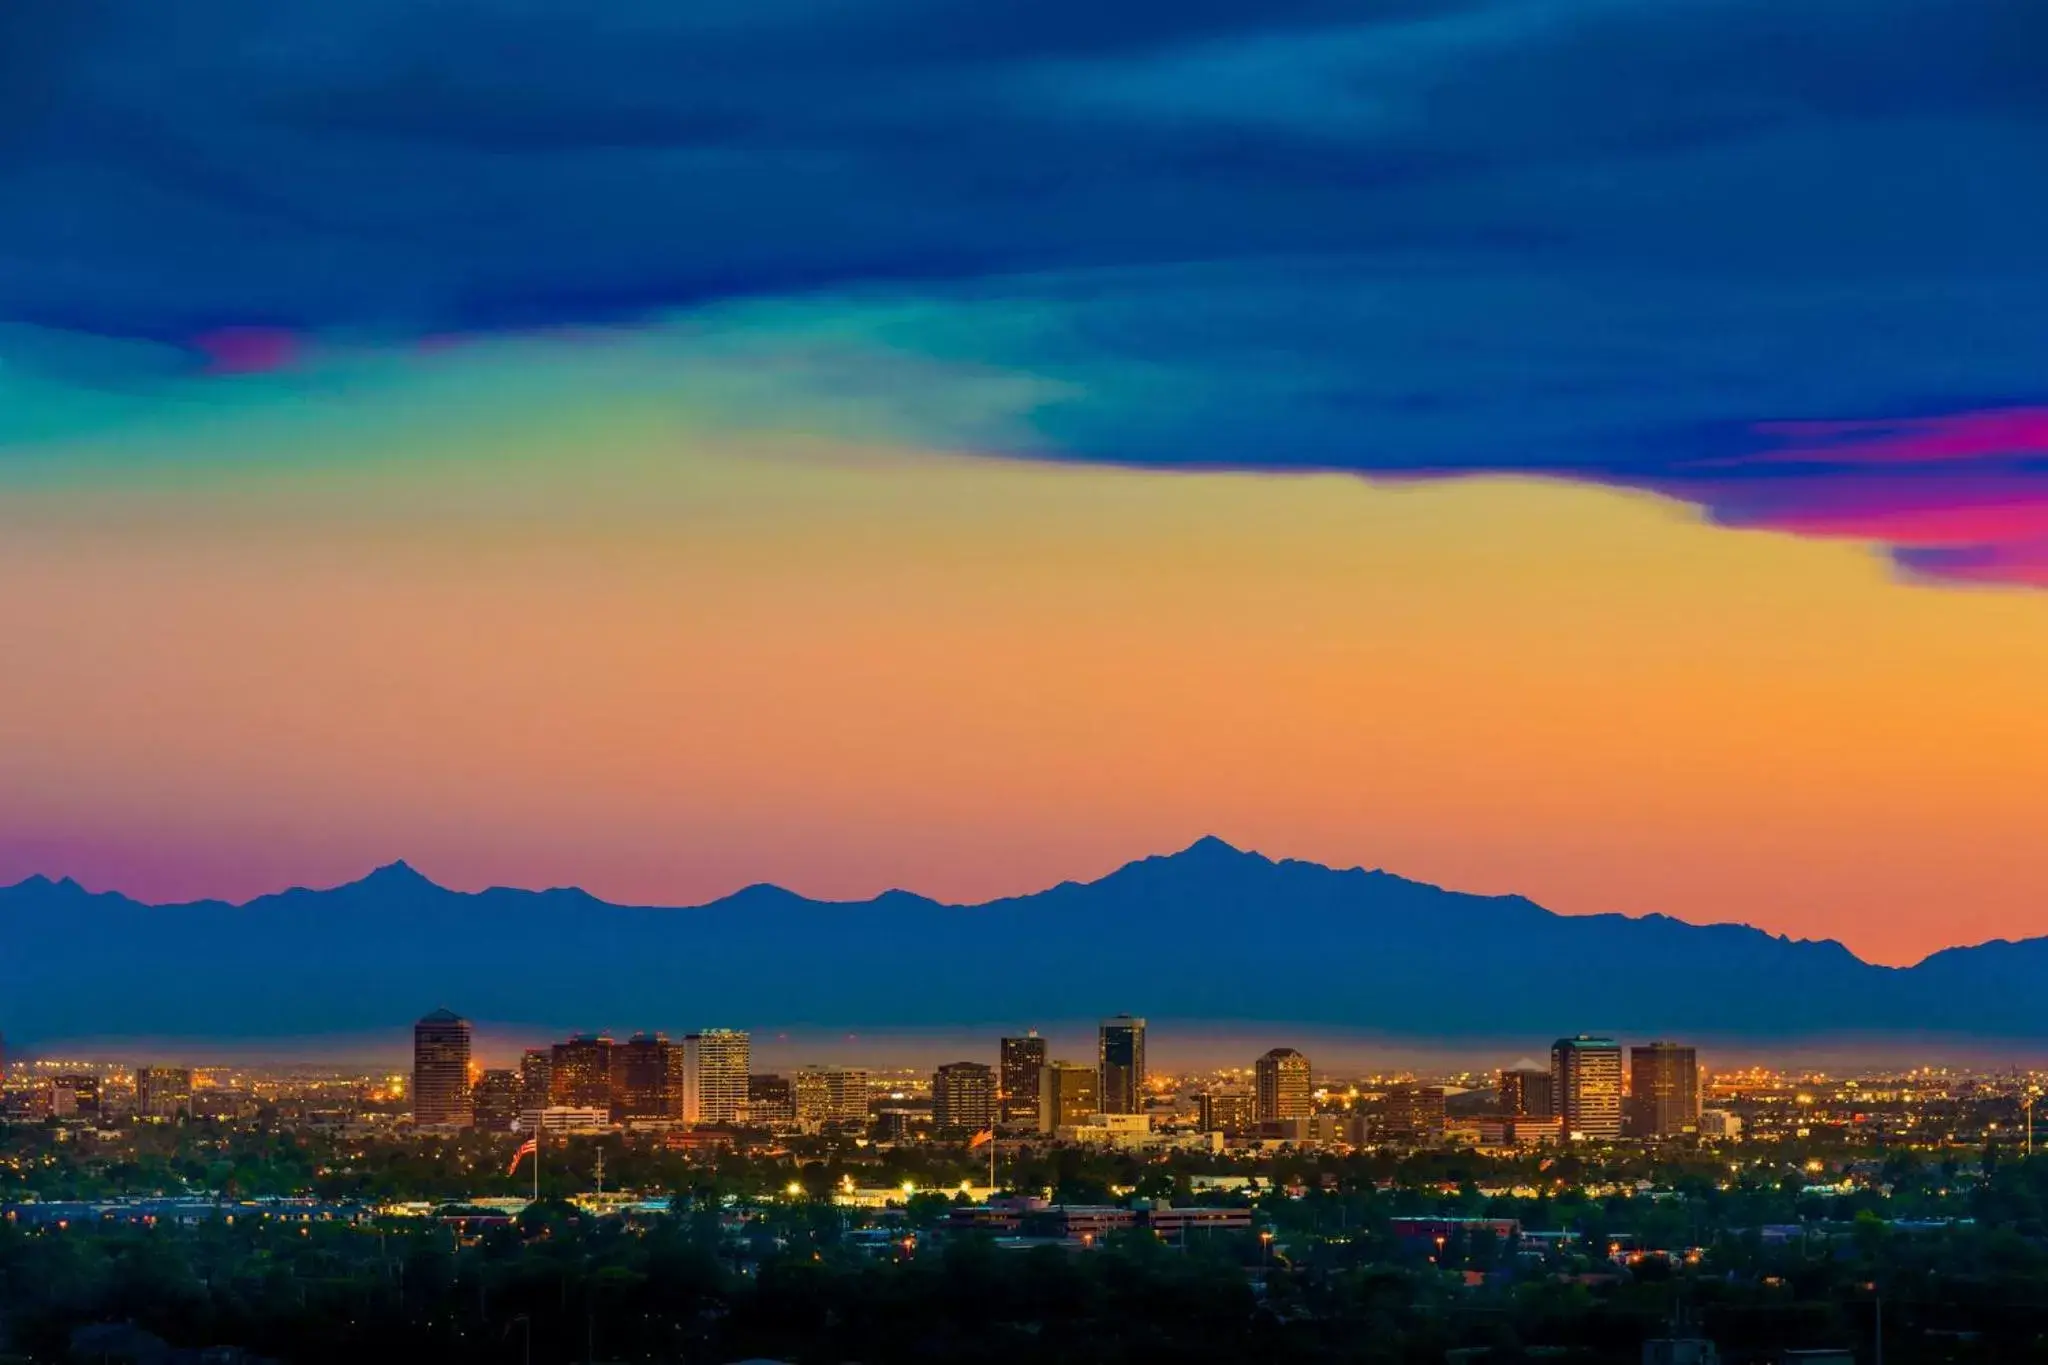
(1211, 847)
(398, 875)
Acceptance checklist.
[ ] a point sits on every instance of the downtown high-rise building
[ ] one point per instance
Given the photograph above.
(1586, 1078)
(440, 1071)
(1227, 1110)
(771, 1101)
(642, 1068)
(580, 1073)
(163, 1092)
(1412, 1113)
(495, 1100)
(1121, 1065)
(963, 1097)
(536, 1068)
(1019, 1062)
(1527, 1091)
(1280, 1079)
(1663, 1090)
(831, 1095)
(716, 1063)
(1068, 1092)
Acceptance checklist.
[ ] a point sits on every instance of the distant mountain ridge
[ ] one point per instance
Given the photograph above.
(1212, 934)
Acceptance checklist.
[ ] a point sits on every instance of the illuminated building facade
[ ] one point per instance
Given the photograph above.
(1228, 1111)
(1586, 1076)
(536, 1066)
(1020, 1061)
(440, 1071)
(1281, 1082)
(163, 1092)
(848, 1092)
(580, 1073)
(1528, 1092)
(1412, 1113)
(1067, 1094)
(495, 1100)
(716, 1063)
(963, 1097)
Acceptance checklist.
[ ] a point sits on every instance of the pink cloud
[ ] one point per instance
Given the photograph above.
(248, 350)
(1989, 434)
(1959, 498)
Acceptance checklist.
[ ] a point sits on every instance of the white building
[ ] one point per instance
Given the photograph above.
(715, 1067)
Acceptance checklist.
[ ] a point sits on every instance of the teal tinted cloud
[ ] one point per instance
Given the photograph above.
(1598, 240)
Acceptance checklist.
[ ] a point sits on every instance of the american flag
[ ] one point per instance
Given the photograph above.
(530, 1147)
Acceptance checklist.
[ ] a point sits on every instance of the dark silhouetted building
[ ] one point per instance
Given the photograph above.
(1412, 1113)
(163, 1092)
(1663, 1090)
(1281, 1081)
(771, 1101)
(580, 1073)
(495, 1099)
(1021, 1060)
(963, 1097)
(1527, 1091)
(84, 1092)
(536, 1066)
(642, 1067)
(1122, 1065)
(440, 1071)
(1068, 1093)
(1586, 1075)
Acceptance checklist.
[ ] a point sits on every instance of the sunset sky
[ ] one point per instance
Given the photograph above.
(1585, 449)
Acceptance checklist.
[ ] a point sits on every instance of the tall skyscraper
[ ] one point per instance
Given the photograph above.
(440, 1071)
(536, 1068)
(1586, 1076)
(1663, 1090)
(1068, 1093)
(1527, 1091)
(715, 1067)
(1281, 1081)
(580, 1072)
(163, 1092)
(641, 1066)
(1122, 1066)
(1017, 1093)
(494, 1099)
(963, 1097)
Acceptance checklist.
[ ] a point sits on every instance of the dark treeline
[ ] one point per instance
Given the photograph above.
(740, 1268)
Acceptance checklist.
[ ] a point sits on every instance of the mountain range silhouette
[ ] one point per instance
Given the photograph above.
(1211, 934)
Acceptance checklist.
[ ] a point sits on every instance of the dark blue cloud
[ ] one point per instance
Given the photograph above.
(1588, 238)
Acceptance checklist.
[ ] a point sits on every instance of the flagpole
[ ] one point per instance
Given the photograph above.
(538, 1124)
